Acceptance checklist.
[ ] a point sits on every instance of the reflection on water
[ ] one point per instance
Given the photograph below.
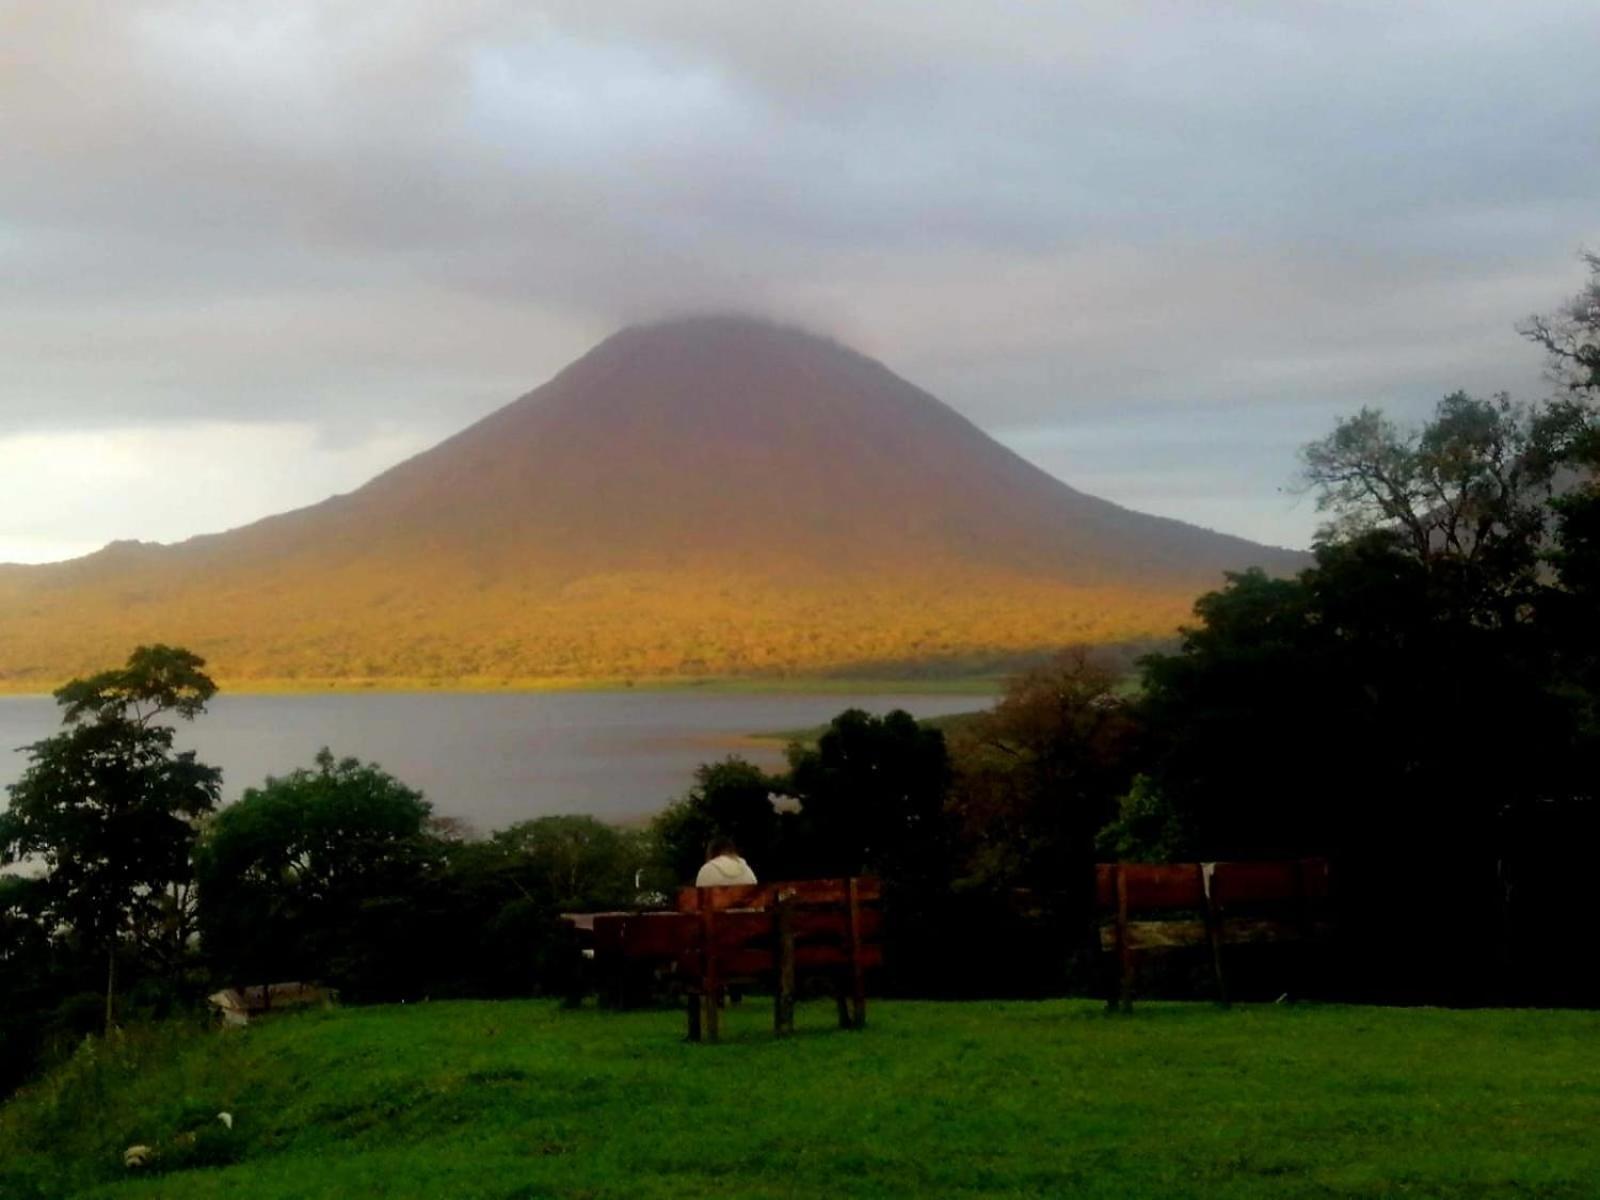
(495, 759)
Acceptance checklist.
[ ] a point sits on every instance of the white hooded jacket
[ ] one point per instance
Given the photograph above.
(725, 870)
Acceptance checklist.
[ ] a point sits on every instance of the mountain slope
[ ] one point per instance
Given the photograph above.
(713, 495)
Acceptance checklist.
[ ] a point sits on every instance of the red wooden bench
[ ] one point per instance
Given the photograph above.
(784, 935)
(1160, 906)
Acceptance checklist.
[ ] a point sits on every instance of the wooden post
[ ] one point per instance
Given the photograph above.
(783, 962)
(1214, 930)
(1124, 950)
(858, 969)
(711, 982)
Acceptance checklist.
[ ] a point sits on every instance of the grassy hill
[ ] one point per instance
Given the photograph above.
(521, 1099)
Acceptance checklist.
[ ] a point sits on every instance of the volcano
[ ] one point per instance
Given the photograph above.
(709, 496)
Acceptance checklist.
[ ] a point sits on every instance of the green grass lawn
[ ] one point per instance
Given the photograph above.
(521, 1099)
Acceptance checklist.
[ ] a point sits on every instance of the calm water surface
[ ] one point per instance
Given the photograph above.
(495, 759)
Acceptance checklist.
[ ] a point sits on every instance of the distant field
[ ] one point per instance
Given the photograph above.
(521, 1099)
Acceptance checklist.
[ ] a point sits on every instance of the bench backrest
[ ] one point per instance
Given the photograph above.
(802, 893)
(834, 923)
(1159, 906)
(1176, 887)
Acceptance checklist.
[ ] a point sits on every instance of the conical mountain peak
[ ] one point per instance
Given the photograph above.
(706, 493)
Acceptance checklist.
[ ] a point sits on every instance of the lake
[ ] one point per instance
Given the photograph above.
(497, 758)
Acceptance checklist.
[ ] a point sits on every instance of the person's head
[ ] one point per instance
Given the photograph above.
(719, 847)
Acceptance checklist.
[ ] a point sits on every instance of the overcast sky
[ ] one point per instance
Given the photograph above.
(253, 253)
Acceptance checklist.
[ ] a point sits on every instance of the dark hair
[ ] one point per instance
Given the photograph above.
(718, 846)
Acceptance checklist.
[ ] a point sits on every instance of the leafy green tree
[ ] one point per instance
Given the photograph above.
(110, 810)
(1148, 829)
(309, 874)
(487, 922)
(157, 679)
(1572, 609)
(1039, 774)
(1402, 704)
(28, 983)
(872, 794)
(581, 863)
(1467, 494)
(734, 799)
(1035, 778)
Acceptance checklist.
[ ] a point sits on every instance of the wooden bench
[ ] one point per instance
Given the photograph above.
(1161, 906)
(784, 935)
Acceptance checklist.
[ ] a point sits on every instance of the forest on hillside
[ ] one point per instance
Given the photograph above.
(613, 628)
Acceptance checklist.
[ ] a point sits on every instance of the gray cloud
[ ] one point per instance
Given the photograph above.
(1093, 220)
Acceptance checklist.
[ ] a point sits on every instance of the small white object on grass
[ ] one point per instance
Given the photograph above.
(137, 1156)
(226, 1119)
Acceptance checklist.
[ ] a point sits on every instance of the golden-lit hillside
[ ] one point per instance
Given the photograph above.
(702, 497)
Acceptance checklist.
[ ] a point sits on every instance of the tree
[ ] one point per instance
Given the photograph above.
(1571, 338)
(1571, 335)
(1034, 779)
(1402, 704)
(1468, 493)
(110, 810)
(295, 878)
(733, 799)
(157, 679)
(1148, 828)
(1040, 773)
(581, 863)
(26, 976)
(872, 794)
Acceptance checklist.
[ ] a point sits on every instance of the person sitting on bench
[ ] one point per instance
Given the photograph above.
(724, 867)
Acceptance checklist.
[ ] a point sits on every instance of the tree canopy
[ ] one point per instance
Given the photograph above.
(1421, 701)
(871, 792)
(109, 809)
(732, 798)
(286, 872)
(1571, 335)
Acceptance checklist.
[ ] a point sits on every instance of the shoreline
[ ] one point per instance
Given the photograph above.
(975, 685)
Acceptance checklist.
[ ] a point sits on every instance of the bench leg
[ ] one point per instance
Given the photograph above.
(1109, 965)
(705, 1019)
(783, 992)
(712, 1014)
(783, 1011)
(852, 1006)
